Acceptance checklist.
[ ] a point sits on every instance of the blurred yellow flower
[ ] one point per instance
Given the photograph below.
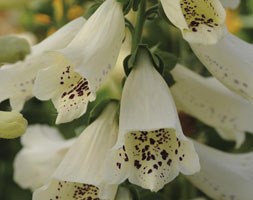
(233, 21)
(58, 9)
(42, 19)
(74, 12)
(51, 30)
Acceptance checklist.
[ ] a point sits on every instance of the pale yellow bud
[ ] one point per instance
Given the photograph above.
(12, 124)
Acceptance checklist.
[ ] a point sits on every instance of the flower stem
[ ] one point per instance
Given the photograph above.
(141, 17)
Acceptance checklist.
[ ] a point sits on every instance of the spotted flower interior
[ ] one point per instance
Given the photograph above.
(63, 190)
(75, 90)
(154, 157)
(68, 90)
(199, 14)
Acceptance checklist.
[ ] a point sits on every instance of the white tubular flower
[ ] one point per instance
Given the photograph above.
(200, 21)
(12, 124)
(230, 3)
(17, 80)
(151, 148)
(81, 172)
(43, 149)
(78, 70)
(231, 62)
(224, 176)
(211, 102)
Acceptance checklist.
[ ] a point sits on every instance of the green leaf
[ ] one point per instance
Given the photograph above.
(169, 60)
(13, 49)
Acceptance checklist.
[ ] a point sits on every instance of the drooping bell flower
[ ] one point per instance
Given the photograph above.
(77, 71)
(151, 149)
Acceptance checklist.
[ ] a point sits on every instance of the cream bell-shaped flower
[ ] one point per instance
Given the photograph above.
(43, 149)
(200, 21)
(151, 149)
(17, 80)
(80, 174)
(224, 176)
(230, 3)
(231, 62)
(212, 103)
(77, 71)
(12, 124)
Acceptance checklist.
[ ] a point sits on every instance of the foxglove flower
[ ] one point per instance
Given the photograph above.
(12, 124)
(231, 62)
(43, 149)
(211, 102)
(224, 176)
(230, 3)
(77, 71)
(17, 80)
(81, 172)
(199, 21)
(151, 148)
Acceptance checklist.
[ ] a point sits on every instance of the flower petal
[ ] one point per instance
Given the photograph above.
(85, 161)
(60, 38)
(151, 147)
(17, 80)
(209, 101)
(234, 135)
(89, 57)
(63, 190)
(200, 22)
(70, 92)
(43, 150)
(95, 49)
(230, 61)
(223, 175)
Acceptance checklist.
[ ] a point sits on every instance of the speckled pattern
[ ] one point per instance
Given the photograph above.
(198, 13)
(152, 154)
(73, 191)
(76, 90)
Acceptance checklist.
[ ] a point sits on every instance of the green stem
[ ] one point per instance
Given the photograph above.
(141, 16)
